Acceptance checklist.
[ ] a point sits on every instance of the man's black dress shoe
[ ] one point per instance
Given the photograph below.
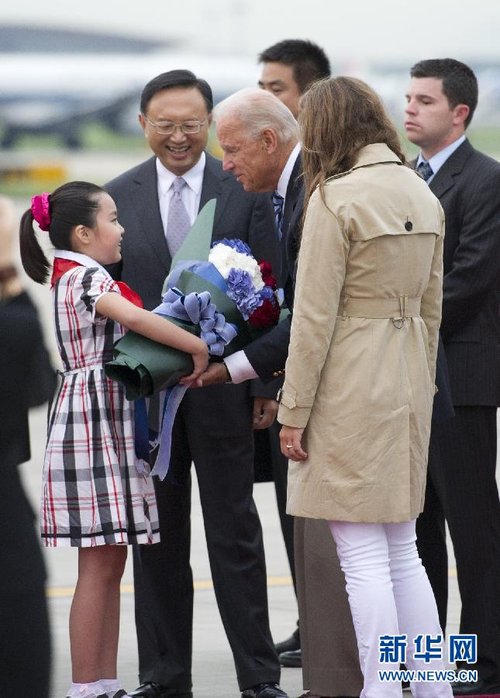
(475, 688)
(291, 644)
(291, 659)
(264, 690)
(149, 689)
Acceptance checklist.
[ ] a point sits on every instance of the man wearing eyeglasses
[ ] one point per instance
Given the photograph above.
(213, 427)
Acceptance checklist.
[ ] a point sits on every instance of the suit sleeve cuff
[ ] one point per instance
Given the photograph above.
(239, 367)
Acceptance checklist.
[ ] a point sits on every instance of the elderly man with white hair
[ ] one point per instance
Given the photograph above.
(260, 141)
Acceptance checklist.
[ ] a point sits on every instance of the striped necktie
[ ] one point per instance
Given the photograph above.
(278, 205)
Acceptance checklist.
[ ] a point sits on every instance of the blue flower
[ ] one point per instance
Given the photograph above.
(240, 289)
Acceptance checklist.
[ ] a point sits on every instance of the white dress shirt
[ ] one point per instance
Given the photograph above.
(191, 195)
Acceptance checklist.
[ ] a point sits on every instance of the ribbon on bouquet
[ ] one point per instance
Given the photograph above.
(197, 309)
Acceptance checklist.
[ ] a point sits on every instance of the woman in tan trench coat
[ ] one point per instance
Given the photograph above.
(359, 386)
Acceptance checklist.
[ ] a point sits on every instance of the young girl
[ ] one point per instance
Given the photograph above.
(96, 494)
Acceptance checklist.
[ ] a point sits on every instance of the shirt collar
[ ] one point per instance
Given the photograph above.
(82, 259)
(193, 177)
(438, 160)
(287, 171)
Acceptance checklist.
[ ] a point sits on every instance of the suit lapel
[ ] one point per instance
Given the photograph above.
(212, 187)
(445, 177)
(144, 196)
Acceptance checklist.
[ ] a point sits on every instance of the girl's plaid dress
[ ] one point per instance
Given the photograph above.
(95, 490)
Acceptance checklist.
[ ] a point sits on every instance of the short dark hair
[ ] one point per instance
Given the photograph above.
(176, 78)
(459, 81)
(308, 60)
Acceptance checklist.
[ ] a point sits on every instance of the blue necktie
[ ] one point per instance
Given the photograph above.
(278, 204)
(425, 170)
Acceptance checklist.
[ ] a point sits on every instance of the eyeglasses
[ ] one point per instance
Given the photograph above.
(167, 128)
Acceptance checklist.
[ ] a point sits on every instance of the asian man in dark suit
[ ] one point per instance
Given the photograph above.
(462, 487)
(259, 139)
(213, 427)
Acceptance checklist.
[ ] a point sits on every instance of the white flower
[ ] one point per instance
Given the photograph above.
(224, 258)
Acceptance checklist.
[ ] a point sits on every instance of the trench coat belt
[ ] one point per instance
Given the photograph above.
(379, 308)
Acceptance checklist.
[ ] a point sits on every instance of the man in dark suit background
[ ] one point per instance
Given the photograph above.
(288, 68)
(462, 487)
(257, 134)
(213, 427)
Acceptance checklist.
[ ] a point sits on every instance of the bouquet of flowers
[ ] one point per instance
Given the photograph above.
(251, 286)
(228, 298)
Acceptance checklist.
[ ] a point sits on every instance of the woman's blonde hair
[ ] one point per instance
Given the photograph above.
(339, 116)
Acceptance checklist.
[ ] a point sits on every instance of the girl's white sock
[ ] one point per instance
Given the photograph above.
(86, 690)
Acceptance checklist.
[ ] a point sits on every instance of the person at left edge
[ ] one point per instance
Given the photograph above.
(213, 427)
(28, 379)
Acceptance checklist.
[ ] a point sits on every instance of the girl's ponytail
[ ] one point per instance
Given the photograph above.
(33, 258)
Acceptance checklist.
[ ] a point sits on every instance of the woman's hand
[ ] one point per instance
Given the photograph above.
(291, 443)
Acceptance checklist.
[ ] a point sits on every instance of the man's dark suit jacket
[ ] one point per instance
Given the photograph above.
(468, 186)
(268, 354)
(461, 484)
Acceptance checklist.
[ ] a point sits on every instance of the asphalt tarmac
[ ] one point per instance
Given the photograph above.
(213, 669)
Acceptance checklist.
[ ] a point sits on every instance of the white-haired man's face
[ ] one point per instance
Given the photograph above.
(251, 160)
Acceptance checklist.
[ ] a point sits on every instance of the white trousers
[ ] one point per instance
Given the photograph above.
(389, 594)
